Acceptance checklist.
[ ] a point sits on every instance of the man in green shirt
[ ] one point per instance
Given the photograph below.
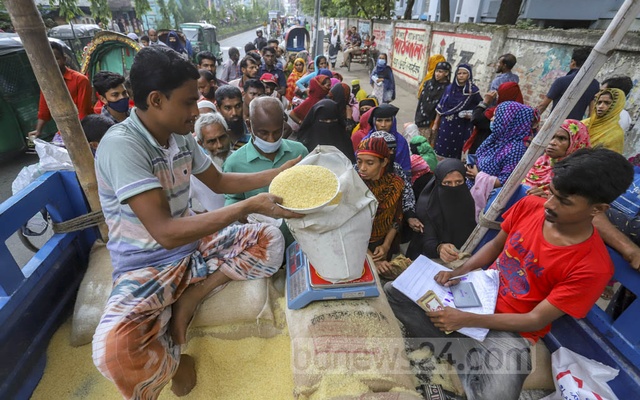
(267, 148)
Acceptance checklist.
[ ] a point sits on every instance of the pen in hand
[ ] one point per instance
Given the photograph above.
(453, 278)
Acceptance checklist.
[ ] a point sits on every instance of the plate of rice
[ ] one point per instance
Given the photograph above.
(305, 188)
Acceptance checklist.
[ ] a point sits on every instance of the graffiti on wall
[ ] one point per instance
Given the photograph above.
(382, 33)
(556, 64)
(409, 52)
(461, 48)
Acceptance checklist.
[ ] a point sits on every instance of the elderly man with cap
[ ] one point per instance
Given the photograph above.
(383, 118)
(357, 91)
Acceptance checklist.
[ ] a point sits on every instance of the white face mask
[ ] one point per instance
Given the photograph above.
(267, 147)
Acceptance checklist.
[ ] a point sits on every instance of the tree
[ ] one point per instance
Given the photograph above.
(67, 9)
(100, 11)
(165, 21)
(409, 10)
(175, 11)
(141, 7)
(193, 10)
(445, 13)
(379, 9)
(509, 12)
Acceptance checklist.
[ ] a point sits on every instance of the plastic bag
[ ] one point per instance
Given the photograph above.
(335, 239)
(52, 158)
(578, 377)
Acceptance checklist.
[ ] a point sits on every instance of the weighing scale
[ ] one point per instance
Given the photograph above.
(304, 285)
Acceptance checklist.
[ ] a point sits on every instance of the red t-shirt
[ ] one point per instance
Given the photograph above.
(80, 90)
(531, 269)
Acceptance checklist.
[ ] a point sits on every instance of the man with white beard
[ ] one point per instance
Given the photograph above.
(212, 134)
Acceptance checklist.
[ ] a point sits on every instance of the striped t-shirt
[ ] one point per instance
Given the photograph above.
(129, 161)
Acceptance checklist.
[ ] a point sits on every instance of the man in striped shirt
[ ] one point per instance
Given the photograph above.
(167, 260)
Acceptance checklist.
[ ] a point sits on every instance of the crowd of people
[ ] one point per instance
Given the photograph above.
(188, 156)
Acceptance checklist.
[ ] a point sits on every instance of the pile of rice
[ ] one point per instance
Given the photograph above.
(305, 186)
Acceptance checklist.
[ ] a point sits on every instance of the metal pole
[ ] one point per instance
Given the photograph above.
(316, 20)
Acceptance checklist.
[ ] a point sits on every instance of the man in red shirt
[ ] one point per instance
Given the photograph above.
(552, 262)
(78, 85)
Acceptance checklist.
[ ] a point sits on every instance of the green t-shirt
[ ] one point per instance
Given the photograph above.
(247, 159)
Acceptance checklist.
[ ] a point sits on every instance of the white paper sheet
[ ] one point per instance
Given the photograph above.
(416, 280)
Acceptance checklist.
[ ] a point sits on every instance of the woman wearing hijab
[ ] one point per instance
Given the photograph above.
(383, 118)
(373, 167)
(320, 62)
(446, 209)
(311, 67)
(434, 60)
(408, 197)
(173, 41)
(364, 105)
(323, 125)
(383, 82)
(341, 94)
(362, 129)
(318, 90)
(298, 72)
(570, 137)
(482, 114)
(604, 129)
(453, 122)
(511, 132)
(290, 65)
(420, 174)
(430, 94)
(334, 47)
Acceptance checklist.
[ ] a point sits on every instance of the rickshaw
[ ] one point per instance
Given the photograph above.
(297, 39)
(109, 51)
(203, 37)
(20, 94)
(76, 36)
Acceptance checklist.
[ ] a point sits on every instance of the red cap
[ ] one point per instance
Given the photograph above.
(269, 78)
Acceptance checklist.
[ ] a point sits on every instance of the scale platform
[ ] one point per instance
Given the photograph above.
(304, 285)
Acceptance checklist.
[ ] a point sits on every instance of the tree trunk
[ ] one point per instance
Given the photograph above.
(30, 27)
(508, 12)
(445, 13)
(409, 10)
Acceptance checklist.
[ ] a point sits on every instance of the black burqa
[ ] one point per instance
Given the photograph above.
(323, 125)
(448, 213)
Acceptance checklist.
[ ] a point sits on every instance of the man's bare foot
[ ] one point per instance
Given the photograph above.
(185, 378)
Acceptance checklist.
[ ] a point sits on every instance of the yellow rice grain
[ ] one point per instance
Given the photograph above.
(304, 186)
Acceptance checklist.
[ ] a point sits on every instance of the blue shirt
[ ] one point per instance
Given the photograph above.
(629, 201)
(504, 78)
(279, 73)
(248, 159)
(560, 86)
